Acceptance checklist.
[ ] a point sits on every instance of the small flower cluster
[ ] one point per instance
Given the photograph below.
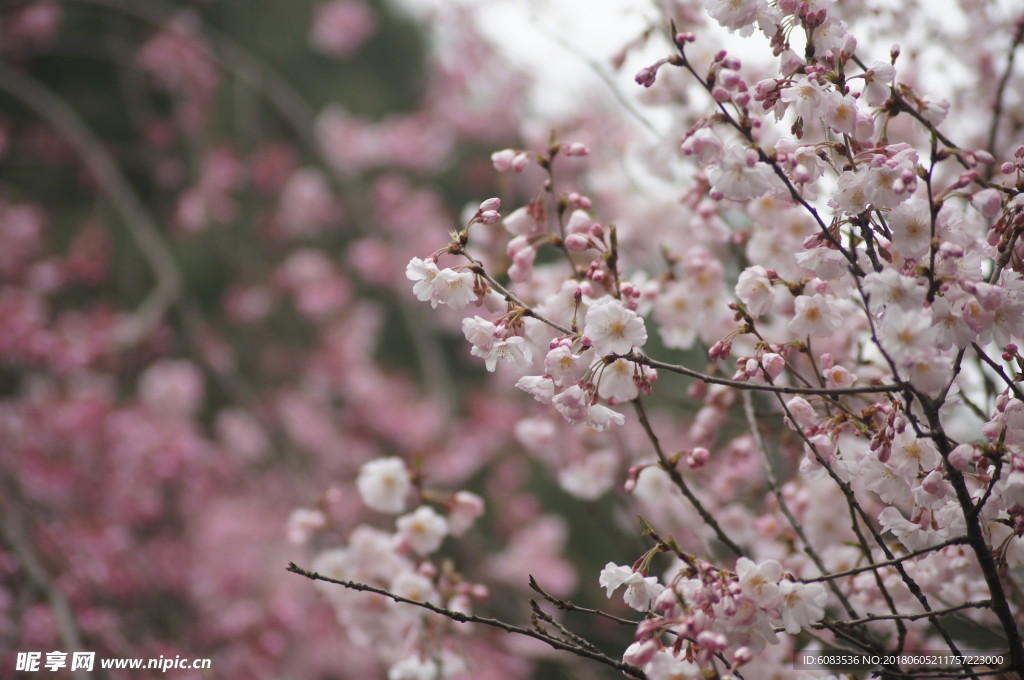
(400, 563)
(705, 612)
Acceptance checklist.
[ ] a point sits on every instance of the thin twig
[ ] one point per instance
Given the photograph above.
(677, 479)
(462, 617)
(978, 604)
(565, 605)
(878, 565)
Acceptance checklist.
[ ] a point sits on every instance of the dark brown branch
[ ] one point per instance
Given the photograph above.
(677, 479)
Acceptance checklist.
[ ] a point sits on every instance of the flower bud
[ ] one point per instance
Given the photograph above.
(502, 160)
(962, 456)
(577, 242)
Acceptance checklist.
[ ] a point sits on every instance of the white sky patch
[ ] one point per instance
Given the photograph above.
(559, 42)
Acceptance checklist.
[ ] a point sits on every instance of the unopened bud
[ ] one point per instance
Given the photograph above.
(577, 242)
(962, 456)
(520, 162)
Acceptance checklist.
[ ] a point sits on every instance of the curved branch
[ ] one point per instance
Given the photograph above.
(141, 226)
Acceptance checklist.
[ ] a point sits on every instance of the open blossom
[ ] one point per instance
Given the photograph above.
(807, 96)
(665, 666)
(612, 328)
(424, 530)
(480, 333)
(383, 484)
(423, 272)
(601, 418)
(841, 113)
(573, 404)
(453, 288)
(734, 14)
(617, 381)
(641, 591)
(907, 335)
(413, 586)
(444, 286)
(760, 582)
(912, 535)
(513, 349)
(888, 287)
(816, 316)
(802, 604)
(740, 175)
(754, 289)
(910, 223)
(540, 387)
(876, 82)
(564, 366)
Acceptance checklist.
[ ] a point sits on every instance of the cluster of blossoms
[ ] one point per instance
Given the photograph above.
(858, 267)
(708, 612)
(401, 562)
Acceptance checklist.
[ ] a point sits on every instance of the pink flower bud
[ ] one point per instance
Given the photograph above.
(520, 162)
(577, 242)
(933, 483)
(490, 217)
(698, 458)
(577, 149)
(966, 178)
(962, 456)
(984, 157)
(646, 76)
(502, 160)
(849, 44)
(639, 653)
(715, 642)
(491, 204)
(989, 202)
(773, 364)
